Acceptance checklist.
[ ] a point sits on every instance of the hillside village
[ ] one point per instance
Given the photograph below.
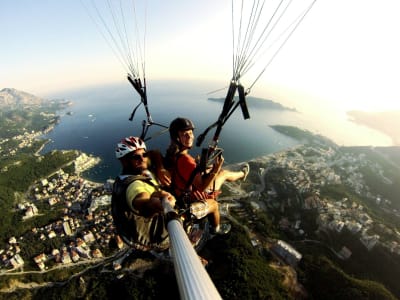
(306, 175)
(308, 169)
(87, 226)
(78, 198)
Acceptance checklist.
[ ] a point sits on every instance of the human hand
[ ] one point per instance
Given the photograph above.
(219, 160)
(164, 177)
(169, 197)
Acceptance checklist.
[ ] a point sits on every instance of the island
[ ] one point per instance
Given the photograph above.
(257, 103)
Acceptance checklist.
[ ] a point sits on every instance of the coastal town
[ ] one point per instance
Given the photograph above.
(310, 168)
(87, 229)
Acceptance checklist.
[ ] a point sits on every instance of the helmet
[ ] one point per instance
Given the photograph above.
(128, 145)
(179, 124)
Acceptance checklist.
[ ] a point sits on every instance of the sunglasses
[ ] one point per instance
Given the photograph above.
(138, 156)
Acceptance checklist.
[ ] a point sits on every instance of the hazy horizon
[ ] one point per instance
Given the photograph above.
(331, 123)
(334, 65)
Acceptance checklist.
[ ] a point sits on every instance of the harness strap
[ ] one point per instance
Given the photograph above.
(131, 178)
(128, 179)
(187, 195)
(132, 227)
(189, 182)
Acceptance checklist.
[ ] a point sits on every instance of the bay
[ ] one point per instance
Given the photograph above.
(98, 120)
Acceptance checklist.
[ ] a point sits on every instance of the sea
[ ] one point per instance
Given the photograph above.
(99, 118)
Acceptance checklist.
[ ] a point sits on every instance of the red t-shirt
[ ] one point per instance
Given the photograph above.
(185, 165)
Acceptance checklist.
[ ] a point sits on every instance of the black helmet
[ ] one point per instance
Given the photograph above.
(179, 124)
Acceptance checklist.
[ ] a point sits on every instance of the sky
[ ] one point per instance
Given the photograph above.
(344, 54)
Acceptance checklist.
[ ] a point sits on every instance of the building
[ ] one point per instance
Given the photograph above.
(285, 251)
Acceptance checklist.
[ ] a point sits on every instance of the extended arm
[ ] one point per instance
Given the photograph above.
(150, 204)
(204, 181)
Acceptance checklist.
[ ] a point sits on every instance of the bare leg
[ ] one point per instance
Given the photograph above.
(225, 175)
(214, 212)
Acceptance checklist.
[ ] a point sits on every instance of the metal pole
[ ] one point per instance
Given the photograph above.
(193, 280)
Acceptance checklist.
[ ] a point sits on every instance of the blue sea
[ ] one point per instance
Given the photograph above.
(99, 118)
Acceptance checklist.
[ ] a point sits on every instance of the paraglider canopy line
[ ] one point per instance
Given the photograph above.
(248, 46)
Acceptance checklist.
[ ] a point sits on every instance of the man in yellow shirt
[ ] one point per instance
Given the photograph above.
(137, 198)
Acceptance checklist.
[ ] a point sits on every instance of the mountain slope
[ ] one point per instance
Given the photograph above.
(11, 98)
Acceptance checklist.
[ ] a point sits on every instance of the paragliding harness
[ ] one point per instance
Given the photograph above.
(196, 228)
(144, 233)
(186, 195)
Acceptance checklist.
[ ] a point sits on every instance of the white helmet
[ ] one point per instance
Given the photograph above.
(128, 145)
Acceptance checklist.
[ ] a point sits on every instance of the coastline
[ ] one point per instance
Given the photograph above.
(85, 162)
(82, 163)
(45, 142)
(384, 122)
(86, 137)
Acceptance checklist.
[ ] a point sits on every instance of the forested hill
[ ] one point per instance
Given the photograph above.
(255, 102)
(22, 112)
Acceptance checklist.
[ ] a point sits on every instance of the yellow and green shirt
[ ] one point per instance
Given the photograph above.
(137, 187)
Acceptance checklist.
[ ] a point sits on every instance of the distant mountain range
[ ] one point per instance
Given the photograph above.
(255, 102)
(14, 98)
(11, 99)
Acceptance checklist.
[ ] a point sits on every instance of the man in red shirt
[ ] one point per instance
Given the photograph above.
(203, 187)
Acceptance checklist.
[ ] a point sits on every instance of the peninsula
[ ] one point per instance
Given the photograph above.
(258, 103)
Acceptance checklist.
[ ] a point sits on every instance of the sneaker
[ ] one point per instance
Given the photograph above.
(245, 169)
(223, 229)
